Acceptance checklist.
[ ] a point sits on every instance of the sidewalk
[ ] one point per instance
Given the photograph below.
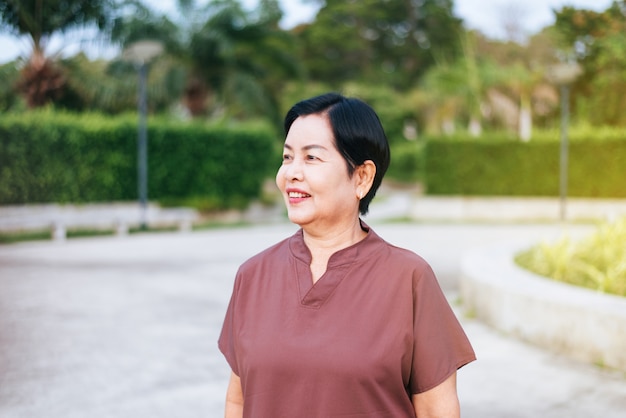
(127, 327)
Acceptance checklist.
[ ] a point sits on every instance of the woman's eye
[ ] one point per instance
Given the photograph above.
(311, 157)
(286, 157)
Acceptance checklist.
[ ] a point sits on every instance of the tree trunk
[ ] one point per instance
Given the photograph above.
(475, 128)
(41, 81)
(525, 125)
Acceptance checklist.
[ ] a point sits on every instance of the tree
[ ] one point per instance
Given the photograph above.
(596, 40)
(8, 76)
(168, 71)
(607, 100)
(459, 89)
(42, 80)
(244, 60)
(235, 62)
(367, 41)
(519, 87)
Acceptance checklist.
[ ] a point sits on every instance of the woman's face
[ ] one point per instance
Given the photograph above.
(313, 177)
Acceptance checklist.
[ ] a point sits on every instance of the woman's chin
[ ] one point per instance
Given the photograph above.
(297, 218)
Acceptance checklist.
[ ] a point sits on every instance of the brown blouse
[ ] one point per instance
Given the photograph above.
(374, 329)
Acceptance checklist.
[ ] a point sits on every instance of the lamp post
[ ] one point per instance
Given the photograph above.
(563, 75)
(140, 54)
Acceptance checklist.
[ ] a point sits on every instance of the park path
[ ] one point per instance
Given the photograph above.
(127, 327)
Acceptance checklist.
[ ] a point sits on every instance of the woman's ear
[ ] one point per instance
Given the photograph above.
(365, 174)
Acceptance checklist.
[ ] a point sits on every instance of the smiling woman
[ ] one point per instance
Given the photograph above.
(315, 181)
(334, 321)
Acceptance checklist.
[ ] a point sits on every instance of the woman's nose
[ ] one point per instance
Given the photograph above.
(293, 171)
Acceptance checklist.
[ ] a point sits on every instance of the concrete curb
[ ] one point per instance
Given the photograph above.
(512, 209)
(114, 215)
(576, 322)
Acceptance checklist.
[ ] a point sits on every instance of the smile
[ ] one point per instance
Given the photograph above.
(298, 195)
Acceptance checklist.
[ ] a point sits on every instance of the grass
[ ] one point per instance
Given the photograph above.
(597, 262)
(13, 237)
(46, 235)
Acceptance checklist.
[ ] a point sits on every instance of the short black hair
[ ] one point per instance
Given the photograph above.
(359, 135)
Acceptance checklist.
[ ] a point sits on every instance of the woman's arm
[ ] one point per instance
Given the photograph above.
(440, 402)
(234, 398)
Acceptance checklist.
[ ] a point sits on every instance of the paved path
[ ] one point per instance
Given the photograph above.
(127, 328)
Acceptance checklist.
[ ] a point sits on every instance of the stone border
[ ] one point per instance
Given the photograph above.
(513, 209)
(576, 322)
(118, 216)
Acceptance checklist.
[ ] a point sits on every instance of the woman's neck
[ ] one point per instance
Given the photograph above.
(334, 239)
(323, 245)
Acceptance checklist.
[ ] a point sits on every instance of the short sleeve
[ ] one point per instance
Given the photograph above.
(440, 345)
(226, 341)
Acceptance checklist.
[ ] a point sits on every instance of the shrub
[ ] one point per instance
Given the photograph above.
(58, 157)
(406, 162)
(597, 262)
(524, 169)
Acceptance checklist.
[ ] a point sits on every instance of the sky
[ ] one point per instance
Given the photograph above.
(488, 16)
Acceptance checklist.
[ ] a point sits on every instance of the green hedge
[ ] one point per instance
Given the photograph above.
(406, 162)
(596, 168)
(52, 157)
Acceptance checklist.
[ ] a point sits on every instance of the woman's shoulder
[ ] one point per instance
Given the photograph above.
(399, 264)
(396, 254)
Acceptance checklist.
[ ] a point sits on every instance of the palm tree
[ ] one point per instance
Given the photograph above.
(42, 79)
(235, 62)
(461, 87)
(241, 60)
(522, 82)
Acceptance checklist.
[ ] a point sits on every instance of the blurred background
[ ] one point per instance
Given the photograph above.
(456, 83)
(497, 112)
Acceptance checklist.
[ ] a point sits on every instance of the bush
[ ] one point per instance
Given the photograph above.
(57, 157)
(455, 167)
(406, 162)
(597, 262)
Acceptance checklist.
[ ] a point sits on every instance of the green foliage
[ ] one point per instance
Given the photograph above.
(390, 106)
(596, 168)
(41, 81)
(42, 19)
(597, 41)
(54, 157)
(582, 132)
(139, 24)
(225, 164)
(242, 58)
(597, 262)
(412, 60)
(609, 82)
(407, 162)
(392, 44)
(8, 77)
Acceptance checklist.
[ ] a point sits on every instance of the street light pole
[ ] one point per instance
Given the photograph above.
(563, 75)
(141, 53)
(564, 150)
(142, 146)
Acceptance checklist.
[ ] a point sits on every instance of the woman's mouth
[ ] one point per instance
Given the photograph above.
(297, 196)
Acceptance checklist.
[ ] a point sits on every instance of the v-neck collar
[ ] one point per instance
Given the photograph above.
(313, 295)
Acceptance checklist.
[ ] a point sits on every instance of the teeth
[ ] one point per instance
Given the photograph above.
(297, 194)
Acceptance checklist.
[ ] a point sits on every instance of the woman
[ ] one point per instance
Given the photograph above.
(334, 321)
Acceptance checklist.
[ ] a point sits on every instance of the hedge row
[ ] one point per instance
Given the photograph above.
(406, 162)
(50, 157)
(596, 168)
